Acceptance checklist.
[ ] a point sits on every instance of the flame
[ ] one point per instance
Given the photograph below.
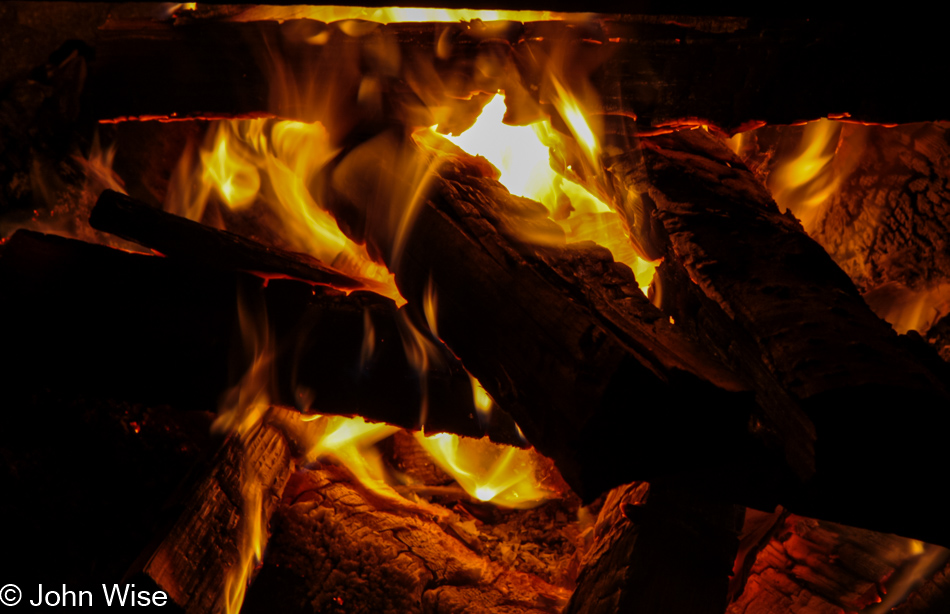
(400, 14)
(804, 183)
(483, 402)
(503, 475)
(272, 163)
(522, 155)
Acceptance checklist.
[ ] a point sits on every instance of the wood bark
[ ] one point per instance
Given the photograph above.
(95, 321)
(807, 565)
(844, 366)
(204, 558)
(667, 71)
(186, 240)
(337, 546)
(560, 336)
(658, 549)
(931, 597)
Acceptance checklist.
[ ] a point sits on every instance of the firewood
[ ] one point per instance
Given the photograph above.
(206, 556)
(104, 323)
(931, 597)
(658, 549)
(561, 337)
(177, 237)
(807, 565)
(887, 220)
(337, 547)
(728, 72)
(846, 368)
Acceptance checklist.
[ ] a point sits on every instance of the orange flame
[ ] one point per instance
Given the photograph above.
(400, 14)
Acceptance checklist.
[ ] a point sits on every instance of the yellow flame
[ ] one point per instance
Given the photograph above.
(522, 155)
(483, 402)
(806, 182)
(401, 14)
(503, 475)
(273, 162)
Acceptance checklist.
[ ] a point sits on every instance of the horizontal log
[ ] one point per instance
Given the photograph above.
(864, 387)
(727, 72)
(145, 328)
(337, 544)
(561, 336)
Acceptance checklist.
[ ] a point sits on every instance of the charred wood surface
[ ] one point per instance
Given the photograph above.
(188, 241)
(845, 366)
(98, 321)
(931, 597)
(561, 337)
(207, 553)
(729, 72)
(658, 550)
(337, 546)
(807, 565)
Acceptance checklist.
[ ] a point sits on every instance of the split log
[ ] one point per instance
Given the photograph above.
(658, 550)
(337, 546)
(728, 72)
(95, 321)
(188, 241)
(561, 336)
(846, 368)
(206, 558)
(806, 565)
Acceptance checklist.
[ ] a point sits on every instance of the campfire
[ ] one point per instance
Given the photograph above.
(340, 309)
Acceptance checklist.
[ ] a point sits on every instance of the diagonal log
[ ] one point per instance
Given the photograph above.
(866, 388)
(559, 335)
(144, 328)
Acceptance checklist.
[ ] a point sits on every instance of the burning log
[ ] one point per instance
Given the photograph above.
(164, 332)
(844, 365)
(931, 597)
(658, 550)
(875, 198)
(205, 561)
(357, 550)
(188, 241)
(807, 565)
(667, 71)
(561, 336)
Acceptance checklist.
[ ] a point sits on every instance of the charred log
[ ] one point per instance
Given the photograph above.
(561, 336)
(668, 71)
(807, 565)
(206, 557)
(658, 550)
(337, 546)
(188, 241)
(846, 367)
(92, 320)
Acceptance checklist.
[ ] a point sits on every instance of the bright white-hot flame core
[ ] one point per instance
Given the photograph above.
(523, 156)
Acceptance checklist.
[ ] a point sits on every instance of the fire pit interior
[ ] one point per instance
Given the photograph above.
(341, 309)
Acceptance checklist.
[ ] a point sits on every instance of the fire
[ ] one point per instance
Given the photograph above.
(271, 164)
(399, 14)
(522, 155)
(503, 475)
